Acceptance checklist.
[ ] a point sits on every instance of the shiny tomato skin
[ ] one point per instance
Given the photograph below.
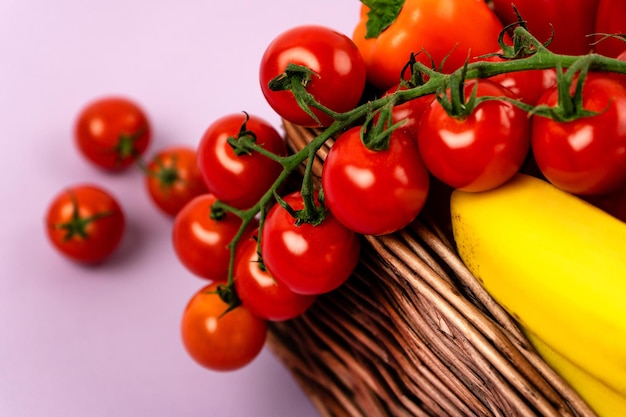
(262, 294)
(100, 237)
(441, 28)
(410, 112)
(527, 86)
(173, 178)
(200, 242)
(308, 259)
(571, 22)
(586, 156)
(112, 132)
(218, 341)
(478, 152)
(374, 192)
(239, 180)
(610, 19)
(340, 79)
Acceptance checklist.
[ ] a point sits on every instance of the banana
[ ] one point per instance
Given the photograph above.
(557, 264)
(600, 397)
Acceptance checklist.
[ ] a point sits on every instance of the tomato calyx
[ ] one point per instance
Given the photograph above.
(381, 15)
(77, 226)
(245, 141)
(125, 146)
(570, 101)
(296, 78)
(229, 296)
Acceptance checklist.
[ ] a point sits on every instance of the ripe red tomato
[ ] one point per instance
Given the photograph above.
(409, 112)
(112, 132)
(308, 259)
(262, 294)
(85, 223)
(480, 151)
(218, 341)
(610, 19)
(374, 192)
(571, 22)
(585, 156)
(239, 180)
(442, 28)
(173, 179)
(338, 81)
(527, 86)
(201, 242)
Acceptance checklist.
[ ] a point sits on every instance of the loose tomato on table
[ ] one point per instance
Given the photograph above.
(218, 341)
(374, 192)
(112, 132)
(452, 29)
(585, 156)
(338, 74)
(309, 259)
(85, 223)
(478, 151)
(260, 292)
(571, 21)
(201, 241)
(236, 176)
(173, 179)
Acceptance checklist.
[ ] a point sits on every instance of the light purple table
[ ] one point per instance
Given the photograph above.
(104, 342)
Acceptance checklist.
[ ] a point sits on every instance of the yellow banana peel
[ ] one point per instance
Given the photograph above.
(556, 263)
(600, 397)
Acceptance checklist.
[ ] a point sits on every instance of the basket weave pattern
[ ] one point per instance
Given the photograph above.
(413, 333)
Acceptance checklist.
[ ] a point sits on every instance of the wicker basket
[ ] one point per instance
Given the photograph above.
(412, 333)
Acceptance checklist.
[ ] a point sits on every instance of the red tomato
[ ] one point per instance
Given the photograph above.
(374, 192)
(442, 28)
(218, 341)
(527, 86)
(261, 293)
(571, 21)
(85, 223)
(338, 81)
(201, 242)
(112, 132)
(588, 155)
(480, 151)
(239, 180)
(173, 179)
(308, 259)
(610, 19)
(409, 112)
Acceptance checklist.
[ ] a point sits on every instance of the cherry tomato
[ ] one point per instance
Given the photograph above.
(112, 132)
(409, 112)
(588, 155)
(173, 179)
(571, 21)
(218, 341)
(261, 293)
(610, 19)
(201, 242)
(239, 180)
(309, 259)
(527, 86)
(85, 223)
(338, 81)
(480, 151)
(442, 28)
(374, 192)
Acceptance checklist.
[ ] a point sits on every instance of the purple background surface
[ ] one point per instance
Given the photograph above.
(90, 342)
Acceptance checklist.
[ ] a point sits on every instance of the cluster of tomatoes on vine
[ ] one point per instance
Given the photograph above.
(267, 250)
